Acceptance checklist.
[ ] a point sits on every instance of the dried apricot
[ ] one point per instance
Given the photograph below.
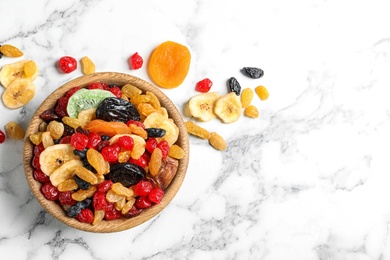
(169, 64)
(262, 92)
(251, 111)
(102, 127)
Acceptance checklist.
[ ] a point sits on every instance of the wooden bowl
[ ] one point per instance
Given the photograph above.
(123, 223)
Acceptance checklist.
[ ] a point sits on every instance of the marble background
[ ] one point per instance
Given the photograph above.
(308, 180)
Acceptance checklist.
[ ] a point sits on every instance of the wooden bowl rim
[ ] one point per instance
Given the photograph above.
(123, 223)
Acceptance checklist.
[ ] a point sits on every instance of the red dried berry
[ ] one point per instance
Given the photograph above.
(49, 115)
(50, 192)
(143, 202)
(99, 201)
(40, 176)
(116, 91)
(111, 212)
(65, 198)
(156, 195)
(126, 142)
(60, 109)
(67, 64)
(35, 162)
(135, 61)
(79, 141)
(151, 144)
(93, 140)
(71, 91)
(137, 123)
(2, 137)
(110, 153)
(65, 139)
(133, 212)
(143, 188)
(38, 149)
(204, 85)
(85, 216)
(164, 147)
(104, 186)
(98, 85)
(142, 161)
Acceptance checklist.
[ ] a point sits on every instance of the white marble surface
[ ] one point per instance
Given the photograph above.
(309, 179)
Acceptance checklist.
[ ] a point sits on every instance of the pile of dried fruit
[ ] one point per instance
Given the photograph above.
(105, 152)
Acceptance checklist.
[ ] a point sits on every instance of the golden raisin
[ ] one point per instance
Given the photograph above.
(246, 97)
(9, 50)
(112, 196)
(86, 174)
(155, 161)
(119, 189)
(154, 101)
(176, 152)
(96, 160)
(72, 122)
(251, 111)
(120, 203)
(42, 126)
(87, 66)
(140, 99)
(56, 129)
(98, 216)
(131, 91)
(36, 138)
(81, 195)
(129, 204)
(138, 131)
(217, 141)
(145, 109)
(14, 131)
(196, 130)
(67, 185)
(262, 92)
(47, 140)
(124, 156)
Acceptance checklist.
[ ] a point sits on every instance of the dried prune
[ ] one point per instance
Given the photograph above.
(155, 132)
(117, 109)
(234, 86)
(126, 173)
(252, 72)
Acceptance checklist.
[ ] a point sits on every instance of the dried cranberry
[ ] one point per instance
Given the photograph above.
(35, 162)
(102, 144)
(67, 64)
(79, 141)
(65, 139)
(85, 216)
(204, 85)
(133, 212)
(137, 123)
(164, 147)
(71, 91)
(81, 130)
(143, 202)
(93, 140)
(156, 195)
(99, 201)
(143, 188)
(2, 137)
(104, 186)
(49, 191)
(110, 153)
(40, 176)
(65, 198)
(98, 85)
(111, 212)
(126, 142)
(151, 144)
(142, 160)
(135, 61)
(116, 91)
(38, 149)
(49, 115)
(60, 109)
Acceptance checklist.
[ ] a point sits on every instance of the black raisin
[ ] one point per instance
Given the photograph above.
(128, 174)
(105, 137)
(234, 86)
(155, 132)
(117, 109)
(74, 210)
(252, 72)
(79, 153)
(84, 185)
(68, 130)
(80, 130)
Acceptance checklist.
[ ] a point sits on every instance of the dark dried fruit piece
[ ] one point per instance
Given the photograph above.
(166, 173)
(234, 86)
(117, 109)
(252, 72)
(155, 132)
(126, 173)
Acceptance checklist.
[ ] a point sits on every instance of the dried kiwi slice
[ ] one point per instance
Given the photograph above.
(85, 99)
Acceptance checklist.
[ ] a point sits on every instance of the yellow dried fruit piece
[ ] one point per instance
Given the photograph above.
(145, 109)
(119, 204)
(124, 156)
(87, 115)
(30, 68)
(131, 91)
(42, 126)
(100, 177)
(155, 161)
(119, 189)
(9, 50)
(112, 196)
(67, 185)
(98, 216)
(47, 140)
(138, 131)
(19, 93)
(87, 66)
(81, 195)
(36, 138)
(176, 152)
(129, 204)
(14, 131)
(197, 130)
(158, 120)
(136, 100)
(246, 97)
(14, 71)
(262, 92)
(56, 129)
(154, 101)
(251, 111)
(217, 141)
(86, 175)
(72, 122)
(96, 160)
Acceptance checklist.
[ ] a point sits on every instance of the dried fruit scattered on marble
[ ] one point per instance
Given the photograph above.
(14, 131)
(169, 64)
(30, 69)
(19, 93)
(217, 141)
(67, 64)
(135, 61)
(13, 71)
(9, 50)
(228, 108)
(246, 97)
(201, 106)
(87, 65)
(2, 137)
(251, 111)
(262, 92)
(197, 130)
(252, 72)
(204, 85)
(234, 86)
